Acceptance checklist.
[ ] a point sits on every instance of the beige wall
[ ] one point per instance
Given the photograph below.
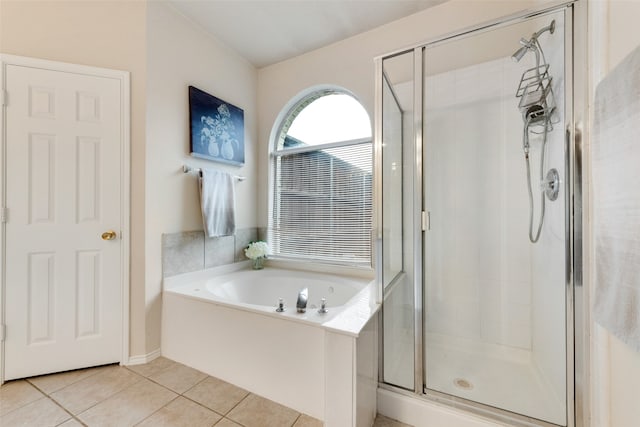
(164, 53)
(349, 64)
(104, 34)
(616, 367)
(180, 54)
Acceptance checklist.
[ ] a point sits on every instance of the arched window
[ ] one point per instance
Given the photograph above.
(321, 207)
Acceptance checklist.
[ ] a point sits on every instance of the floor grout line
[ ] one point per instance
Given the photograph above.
(139, 377)
(156, 411)
(296, 420)
(24, 404)
(108, 397)
(222, 416)
(239, 402)
(97, 370)
(200, 404)
(48, 397)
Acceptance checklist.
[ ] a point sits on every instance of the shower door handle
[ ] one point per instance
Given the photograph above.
(426, 220)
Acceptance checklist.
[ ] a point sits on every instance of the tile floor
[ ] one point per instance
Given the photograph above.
(159, 393)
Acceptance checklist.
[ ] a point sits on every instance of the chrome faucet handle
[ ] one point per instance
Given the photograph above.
(323, 306)
(280, 308)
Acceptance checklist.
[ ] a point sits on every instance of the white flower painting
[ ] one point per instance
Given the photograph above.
(217, 128)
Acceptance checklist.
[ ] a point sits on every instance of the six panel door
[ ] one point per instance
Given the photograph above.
(63, 191)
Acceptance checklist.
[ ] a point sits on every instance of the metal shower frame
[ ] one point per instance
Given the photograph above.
(577, 292)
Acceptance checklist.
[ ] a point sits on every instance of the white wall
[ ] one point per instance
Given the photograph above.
(180, 54)
(616, 368)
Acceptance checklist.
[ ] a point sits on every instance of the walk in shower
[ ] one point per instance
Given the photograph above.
(475, 222)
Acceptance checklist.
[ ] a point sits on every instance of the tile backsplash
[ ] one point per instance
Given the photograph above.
(191, 251)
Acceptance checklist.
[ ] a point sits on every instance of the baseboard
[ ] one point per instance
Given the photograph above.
(142, 359)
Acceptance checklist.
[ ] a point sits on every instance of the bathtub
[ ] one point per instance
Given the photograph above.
(260, 291)
(223, 321)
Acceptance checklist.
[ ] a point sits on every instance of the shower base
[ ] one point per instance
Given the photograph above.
(498, 376)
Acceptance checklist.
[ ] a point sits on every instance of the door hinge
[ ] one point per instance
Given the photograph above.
(3, 97)
(4, 213)
(426, 220)
(3, 332)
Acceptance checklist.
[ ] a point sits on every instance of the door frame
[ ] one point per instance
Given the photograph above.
(125, 149)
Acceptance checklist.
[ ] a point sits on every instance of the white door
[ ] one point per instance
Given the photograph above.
(63, 299)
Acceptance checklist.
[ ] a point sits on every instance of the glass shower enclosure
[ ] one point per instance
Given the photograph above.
(475, 223)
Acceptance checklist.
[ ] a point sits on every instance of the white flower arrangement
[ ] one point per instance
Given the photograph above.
(257, 250)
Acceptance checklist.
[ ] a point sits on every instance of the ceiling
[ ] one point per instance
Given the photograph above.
(269, 31)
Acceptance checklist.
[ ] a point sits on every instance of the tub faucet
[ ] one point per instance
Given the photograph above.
(303, 295)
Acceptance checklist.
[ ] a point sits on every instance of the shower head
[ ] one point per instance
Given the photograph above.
(527, 45)
(531, 43)
(517, 56)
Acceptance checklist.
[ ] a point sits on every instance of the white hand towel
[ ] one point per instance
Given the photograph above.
(218, 200)
(616, 201)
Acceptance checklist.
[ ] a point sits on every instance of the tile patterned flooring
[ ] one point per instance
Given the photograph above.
(159, 393)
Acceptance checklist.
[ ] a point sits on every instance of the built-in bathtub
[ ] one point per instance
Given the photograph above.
(223, 321)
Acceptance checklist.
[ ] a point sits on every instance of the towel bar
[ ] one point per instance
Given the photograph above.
(197, 171)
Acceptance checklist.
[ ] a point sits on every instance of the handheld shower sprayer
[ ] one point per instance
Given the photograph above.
(520, 53)
(537, 106)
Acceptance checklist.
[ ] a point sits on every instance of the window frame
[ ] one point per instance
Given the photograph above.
(279, 133)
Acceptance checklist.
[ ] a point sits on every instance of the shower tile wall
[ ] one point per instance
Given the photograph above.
(483, 292)
(191, 250)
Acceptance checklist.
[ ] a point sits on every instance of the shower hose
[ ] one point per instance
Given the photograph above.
(525, 137)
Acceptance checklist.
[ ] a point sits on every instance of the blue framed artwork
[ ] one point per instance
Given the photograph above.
(217, 128)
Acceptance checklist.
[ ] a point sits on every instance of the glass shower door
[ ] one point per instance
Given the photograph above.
(397, 151)
(494, 296)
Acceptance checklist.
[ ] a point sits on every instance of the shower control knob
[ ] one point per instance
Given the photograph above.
(323, 306)
(551, 184)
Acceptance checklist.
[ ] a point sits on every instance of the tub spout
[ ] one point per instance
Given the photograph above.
(303, 295)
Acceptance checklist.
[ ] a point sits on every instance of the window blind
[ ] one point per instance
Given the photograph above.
(322, 206)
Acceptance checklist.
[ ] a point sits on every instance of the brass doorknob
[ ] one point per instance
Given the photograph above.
(109, 235)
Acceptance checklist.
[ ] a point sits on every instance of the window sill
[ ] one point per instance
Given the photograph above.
(366, 272)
